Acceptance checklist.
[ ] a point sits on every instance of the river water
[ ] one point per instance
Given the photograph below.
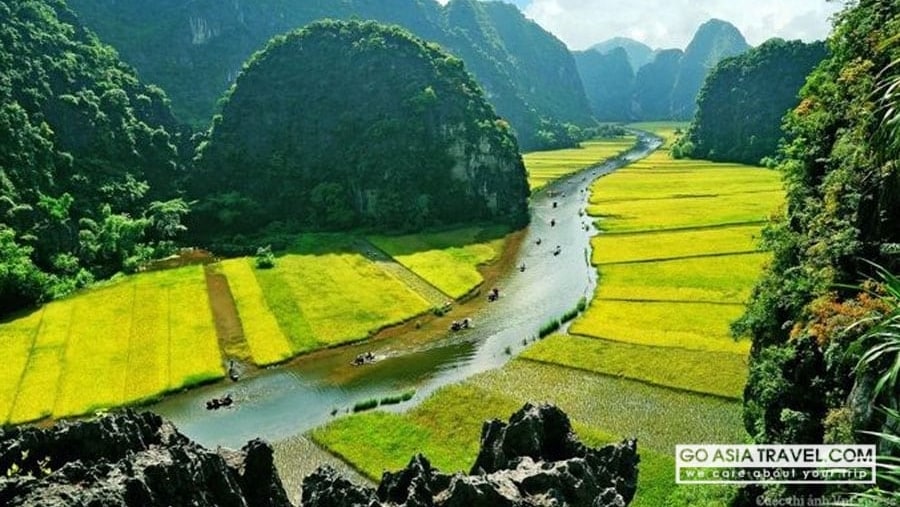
(283, 402)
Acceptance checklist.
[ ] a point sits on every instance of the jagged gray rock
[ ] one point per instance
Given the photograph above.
(534, 460)
(132, 459)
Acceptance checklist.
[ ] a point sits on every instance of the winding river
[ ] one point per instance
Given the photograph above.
(280, 403)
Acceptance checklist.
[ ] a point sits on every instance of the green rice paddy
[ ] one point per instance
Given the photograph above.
(446, 427)
(546, 166)
(447, 260)
(323, 294)
(718, 373)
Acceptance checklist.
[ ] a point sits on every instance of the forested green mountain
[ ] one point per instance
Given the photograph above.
(714, 40)
(639, 54)
(355, 124)
(653, 85)
(663, 88)
(843, 191)
(194, 50)
(608, 82)
(88, 157)
(744, 99)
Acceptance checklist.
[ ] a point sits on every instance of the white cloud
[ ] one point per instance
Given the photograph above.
(672, 23)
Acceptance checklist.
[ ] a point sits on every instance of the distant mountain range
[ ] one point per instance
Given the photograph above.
(639, 54)
(195, 50)
(661, 84)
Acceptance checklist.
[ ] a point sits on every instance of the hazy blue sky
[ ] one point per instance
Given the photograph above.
(671, 23)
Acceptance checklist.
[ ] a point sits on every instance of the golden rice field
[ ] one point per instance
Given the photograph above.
(448, 260)
(639, 181)
(674, 272)
(147, 334)
(661, 245)
(684, 212)
(324, 293)
(119, 343)
(546, 166)
(687, 325)
(266, 341)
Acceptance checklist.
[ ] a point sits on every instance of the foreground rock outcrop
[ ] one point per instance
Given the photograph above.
(135, 460)
(534, 460)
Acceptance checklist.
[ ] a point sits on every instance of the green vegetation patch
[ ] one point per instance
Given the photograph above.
(726, 278)
(267, 343)
(660, 418)
(449, 260)
(546, 166)
(373, 442)
(447, 426)
(324, 293)
(717, 373)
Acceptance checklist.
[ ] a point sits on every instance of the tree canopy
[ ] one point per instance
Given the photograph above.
(744, 99)
(349, 124)
(843, 209)
(88, 157)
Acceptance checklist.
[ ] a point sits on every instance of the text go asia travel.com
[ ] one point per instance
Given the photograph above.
(775, 464)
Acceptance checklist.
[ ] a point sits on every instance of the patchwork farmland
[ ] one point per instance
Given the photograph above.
(651, 353)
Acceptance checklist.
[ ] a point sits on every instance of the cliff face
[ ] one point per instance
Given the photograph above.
(134, 460)
(195, 50)
(534, 460)
(665, 84)
(714, 41)
(355, 124)
(608, 81)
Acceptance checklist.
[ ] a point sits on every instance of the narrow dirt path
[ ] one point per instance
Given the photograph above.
(387, 263)
(225, 314)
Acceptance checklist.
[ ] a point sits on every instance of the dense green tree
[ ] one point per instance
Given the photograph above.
(196, 49)
(316, 135)
(843, 206)
(85, 147)
(745, 97)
